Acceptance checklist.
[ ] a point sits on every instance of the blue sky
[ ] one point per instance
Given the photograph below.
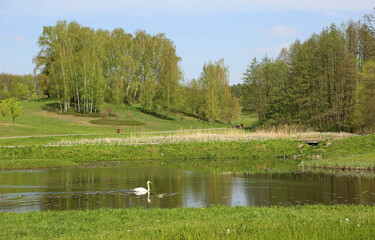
(204, 30)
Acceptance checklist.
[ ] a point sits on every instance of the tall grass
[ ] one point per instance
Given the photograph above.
(295, 222)
(209, 135)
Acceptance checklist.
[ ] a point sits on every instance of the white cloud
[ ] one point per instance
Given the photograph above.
(280, 31)
(17, 38)
(272, 50)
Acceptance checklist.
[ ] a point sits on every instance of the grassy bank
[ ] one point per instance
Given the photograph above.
(300, 222)
(221, 156)
(219, 151)
(350, 153)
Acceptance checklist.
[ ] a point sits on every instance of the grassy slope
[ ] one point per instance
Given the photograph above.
(347, 153)
(298, 222)
(36, 121)
(222, 156)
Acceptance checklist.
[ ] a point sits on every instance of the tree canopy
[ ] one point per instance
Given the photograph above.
(325, 82)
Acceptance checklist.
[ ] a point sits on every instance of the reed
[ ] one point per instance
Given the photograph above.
(215, 135)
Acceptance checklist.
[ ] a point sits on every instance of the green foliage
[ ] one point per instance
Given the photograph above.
(11, 106)
(325, 82)
(215, 93)
(4, 108)
(83, 67)
(21, 87)
(14, 108)
(230, 109)
(364, 109)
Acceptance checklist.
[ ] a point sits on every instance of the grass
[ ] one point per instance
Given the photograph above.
(248, 156)
(116, 122)
(229, 150)
(354, 162)
(36, 120)
(181, 135)
(357, 152)
(210, 135)
(295, 222)
(171, 139)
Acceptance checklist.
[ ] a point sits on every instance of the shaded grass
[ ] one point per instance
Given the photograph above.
(36, 163)
(295, 222)
(116, 122)
(365, 161)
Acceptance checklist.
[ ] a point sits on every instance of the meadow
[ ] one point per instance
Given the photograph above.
(217, 222)
(39, 118)
(43, 138)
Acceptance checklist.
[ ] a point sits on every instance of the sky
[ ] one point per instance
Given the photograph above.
(202, 30)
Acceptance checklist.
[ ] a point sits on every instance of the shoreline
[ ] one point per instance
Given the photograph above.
(353, 153)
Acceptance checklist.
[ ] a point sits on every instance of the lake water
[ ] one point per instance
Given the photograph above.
(110, 187)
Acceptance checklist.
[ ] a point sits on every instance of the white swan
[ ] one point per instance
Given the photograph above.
(141, 190)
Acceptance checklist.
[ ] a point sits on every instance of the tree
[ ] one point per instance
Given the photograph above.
(83, 67)
(4, 108)
(194, 98)
(256, 89)
(364, 108)
(11, 106)
(214, 87)
(14, 108)
(230, 108)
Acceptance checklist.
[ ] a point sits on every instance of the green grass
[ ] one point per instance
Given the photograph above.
(219, 156)
(247, 120)
(348, 153)
(238, 156)
(365, 161)
(116, 122)
(295, 222)
(35, 120)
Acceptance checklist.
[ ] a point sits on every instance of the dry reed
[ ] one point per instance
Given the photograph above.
(215, 135)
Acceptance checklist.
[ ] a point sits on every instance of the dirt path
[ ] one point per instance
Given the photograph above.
(70, 118)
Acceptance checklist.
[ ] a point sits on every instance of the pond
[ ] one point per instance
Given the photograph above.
(110, 187)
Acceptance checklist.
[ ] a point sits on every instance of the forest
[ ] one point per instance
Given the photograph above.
(82, 68)
(326, 82)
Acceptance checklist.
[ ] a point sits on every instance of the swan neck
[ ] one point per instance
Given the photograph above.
(148, 186)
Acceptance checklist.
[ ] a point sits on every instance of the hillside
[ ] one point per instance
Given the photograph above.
(37, 119)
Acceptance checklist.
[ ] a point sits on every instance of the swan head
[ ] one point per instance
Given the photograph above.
(148, 182)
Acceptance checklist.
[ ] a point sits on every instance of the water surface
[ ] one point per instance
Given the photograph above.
(110, 187)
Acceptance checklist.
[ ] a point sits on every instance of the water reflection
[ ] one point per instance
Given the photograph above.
(91, 188)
